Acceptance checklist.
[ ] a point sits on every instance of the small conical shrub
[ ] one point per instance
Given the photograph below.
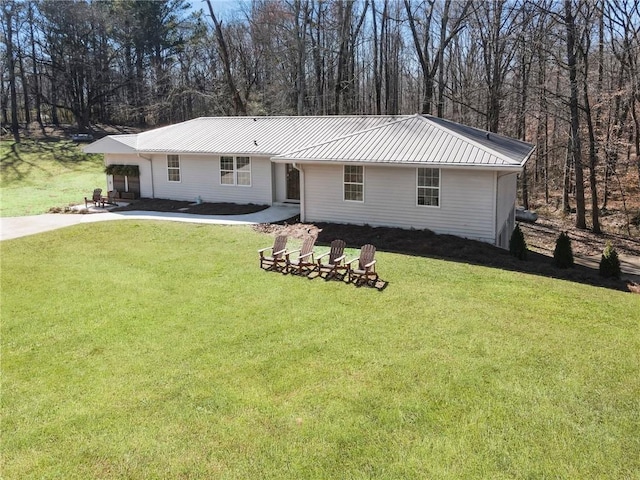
(517, 244)
(610, 263)
(563, 254)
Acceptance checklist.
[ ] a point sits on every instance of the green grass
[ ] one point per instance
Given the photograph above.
(38, 175)
(161, 350)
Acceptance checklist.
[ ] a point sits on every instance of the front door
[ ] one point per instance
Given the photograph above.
(293, 183)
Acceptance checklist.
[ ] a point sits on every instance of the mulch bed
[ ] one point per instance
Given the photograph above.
(160, 205)
(447, 247)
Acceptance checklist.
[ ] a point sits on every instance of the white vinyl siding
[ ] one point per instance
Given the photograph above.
(466, 200)
(173, 168)
(505, 207)
(428, 190)
(146, 188)
(235, 171)
(354, 183)
(200, 176)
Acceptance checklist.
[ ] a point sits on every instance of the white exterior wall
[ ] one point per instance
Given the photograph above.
(200, 177)
(146, 189)
(507, 185)
(507, 193)
(467, 200)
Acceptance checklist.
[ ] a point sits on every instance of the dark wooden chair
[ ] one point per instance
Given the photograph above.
(365, 271)
(96, 199)
(305, 260)
(276, 260)
(335, 261)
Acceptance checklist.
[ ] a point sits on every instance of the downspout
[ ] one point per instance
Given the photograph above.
(298, 167)
(495, 209)
(153, 195)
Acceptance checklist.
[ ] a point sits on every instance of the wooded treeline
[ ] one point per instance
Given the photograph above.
(563, 74)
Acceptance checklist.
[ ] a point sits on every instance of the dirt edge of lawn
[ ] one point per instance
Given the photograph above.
(425, 243)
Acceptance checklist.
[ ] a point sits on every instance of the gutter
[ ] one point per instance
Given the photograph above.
(512, 168)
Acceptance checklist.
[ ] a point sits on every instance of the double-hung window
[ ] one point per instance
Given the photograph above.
(429, 187)
(173, 168)
(235, 171)
(354, 183)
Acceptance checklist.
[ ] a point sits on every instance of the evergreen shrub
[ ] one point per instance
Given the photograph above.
(610, 263)
(563, 253)
(517, 244)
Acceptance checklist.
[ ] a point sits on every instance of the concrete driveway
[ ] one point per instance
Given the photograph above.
(15, 227)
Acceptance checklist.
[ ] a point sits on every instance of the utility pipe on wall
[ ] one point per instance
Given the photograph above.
(298, 167)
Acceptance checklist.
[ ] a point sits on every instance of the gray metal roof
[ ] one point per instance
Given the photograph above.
(252, 135)
(404, 139)
(419, 140)
(113, 144)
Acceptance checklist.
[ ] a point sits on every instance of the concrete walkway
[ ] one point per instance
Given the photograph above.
(15, 227)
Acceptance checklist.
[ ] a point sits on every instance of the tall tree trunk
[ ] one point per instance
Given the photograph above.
(25, 89)
(377, 76)
(301, 33)
(37, 93)
(635, 116)
(576, 150)
(566, 179)
(8, 17)
(239, 105)
(423, 52)
(593, 159)
(318, 61)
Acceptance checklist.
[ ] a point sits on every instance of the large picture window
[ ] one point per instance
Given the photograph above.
(354, 183)
(173, 168)
(235, 171)
(429, 187)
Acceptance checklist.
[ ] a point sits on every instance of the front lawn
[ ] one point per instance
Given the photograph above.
(141, 349)
(36, 175)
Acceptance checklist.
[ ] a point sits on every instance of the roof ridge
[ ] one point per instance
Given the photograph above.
(352, 134)
(484, 148)
(255, 117)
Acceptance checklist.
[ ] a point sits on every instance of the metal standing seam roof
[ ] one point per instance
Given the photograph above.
(419, 139)
(252, 135)
(408, 139)
(113, 144)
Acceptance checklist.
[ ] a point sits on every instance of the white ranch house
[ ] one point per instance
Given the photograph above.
(413, 171)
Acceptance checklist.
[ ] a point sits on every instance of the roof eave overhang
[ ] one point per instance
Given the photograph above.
(512, 168)
(105, 151)
(526, 159)
(205, 153)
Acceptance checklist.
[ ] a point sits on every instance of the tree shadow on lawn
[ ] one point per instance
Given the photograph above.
(11, 163)
(425, 243)
(15, 166)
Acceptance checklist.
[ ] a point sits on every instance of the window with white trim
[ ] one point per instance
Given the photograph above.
(429, 187)
(235, 171)
(354, 183)
(173, 168)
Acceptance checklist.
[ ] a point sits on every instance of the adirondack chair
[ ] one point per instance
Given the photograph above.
(335, 261)
(97, 199)
(365, 271)
(305, 259)
(276, 260)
